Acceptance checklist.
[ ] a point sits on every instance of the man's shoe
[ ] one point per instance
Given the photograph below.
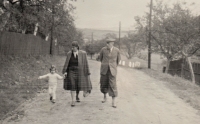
(73, 104)
(53, 101)
(114, 106)
(50, 98)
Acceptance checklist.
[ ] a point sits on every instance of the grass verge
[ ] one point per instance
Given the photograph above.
(183, 88)
(18, 80)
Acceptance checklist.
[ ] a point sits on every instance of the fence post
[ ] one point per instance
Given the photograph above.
(182, 63)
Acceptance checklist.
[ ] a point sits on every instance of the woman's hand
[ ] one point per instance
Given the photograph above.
(65, 74)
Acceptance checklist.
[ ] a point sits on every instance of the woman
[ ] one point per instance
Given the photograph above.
(76, 71)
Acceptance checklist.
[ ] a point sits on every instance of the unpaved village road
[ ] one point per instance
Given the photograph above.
(141, 100)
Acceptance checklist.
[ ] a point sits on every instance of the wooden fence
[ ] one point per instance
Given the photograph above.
(22, 44)
(181, 68)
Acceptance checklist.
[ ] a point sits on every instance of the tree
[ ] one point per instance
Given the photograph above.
(175, 32)
(53, 17)
(90, 49)
(132, 45)
(94, 47)
(185, 29)
(22, 14)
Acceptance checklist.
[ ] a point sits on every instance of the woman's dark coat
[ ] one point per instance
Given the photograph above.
(84, 82)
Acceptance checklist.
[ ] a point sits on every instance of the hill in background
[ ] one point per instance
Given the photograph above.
(99, 34)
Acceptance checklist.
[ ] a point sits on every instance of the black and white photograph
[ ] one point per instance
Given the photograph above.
(99, 62)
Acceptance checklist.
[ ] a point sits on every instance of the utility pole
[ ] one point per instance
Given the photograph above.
(149, 44)
(119, 33)
(92, 37)
(91, 45)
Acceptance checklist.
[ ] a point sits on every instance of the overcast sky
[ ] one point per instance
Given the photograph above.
(106, 14)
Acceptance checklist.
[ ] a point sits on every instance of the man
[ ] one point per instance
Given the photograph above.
(109, 57)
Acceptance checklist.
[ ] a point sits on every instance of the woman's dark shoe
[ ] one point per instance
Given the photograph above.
(78, 100)
(105, 99)
(86, 93)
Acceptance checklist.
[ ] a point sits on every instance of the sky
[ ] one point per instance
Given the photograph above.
(106, 14)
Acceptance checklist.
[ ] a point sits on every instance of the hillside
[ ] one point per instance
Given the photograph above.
(99, 34)
(18, 80)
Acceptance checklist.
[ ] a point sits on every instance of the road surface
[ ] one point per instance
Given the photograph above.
(141, 100)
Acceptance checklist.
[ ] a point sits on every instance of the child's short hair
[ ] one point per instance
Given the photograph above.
(53, 67)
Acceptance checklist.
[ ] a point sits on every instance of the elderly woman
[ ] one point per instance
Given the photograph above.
(76, 71)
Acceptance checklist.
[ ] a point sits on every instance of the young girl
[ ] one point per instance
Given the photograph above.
(53, 78)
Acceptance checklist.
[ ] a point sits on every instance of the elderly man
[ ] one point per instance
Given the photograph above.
(109, 57)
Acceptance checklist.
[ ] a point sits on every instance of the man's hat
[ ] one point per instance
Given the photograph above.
(110, 40)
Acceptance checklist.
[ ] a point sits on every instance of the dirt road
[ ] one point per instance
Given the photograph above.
(142, 100)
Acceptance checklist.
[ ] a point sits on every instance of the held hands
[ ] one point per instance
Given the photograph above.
(65, 74)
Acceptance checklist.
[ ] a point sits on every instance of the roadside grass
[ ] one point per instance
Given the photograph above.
(183, 88)
(18, 80)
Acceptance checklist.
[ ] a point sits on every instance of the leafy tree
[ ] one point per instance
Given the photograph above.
(132, 45)
(183, 26)
(175, 32)
(53, 17)
(90, 49)
(94, 47)
(22, 14)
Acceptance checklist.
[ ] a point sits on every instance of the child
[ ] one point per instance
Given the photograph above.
(53, 78)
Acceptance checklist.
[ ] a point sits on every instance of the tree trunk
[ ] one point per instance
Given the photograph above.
(24, 31)
(167, 66)
(191, 69)
(36, 29)
(47, 37)
(56, 42)
(182, 65)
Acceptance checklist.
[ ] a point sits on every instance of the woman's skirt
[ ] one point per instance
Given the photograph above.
(72, 83)
(76, 80)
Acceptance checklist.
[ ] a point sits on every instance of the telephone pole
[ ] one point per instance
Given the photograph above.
(149, 43)
(92, 37)
(119, 33)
